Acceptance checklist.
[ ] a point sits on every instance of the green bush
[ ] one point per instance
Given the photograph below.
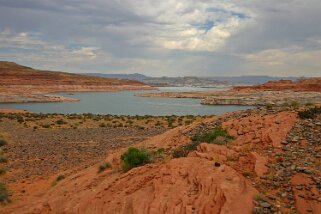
(134, 157)
(3, 142)
(4, 196)
(46, 126)
(268, 105)
(3, 159)
(60, 121)
(310, 113)
(102, 125)
(183, 150)
(2, 171)
(20, 119)
(58, 178)
(103, 167)
(160, 150)
(295, 104)
(285, 104)
(216, 136)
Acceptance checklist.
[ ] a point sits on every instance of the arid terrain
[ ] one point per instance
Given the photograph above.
(264, 160)
(282, 92)
(23, 84)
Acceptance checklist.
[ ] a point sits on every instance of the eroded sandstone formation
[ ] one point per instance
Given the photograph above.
(259, 171)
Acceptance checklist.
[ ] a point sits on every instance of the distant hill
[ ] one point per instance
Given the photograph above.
(195, 81)
(24, 84)
(252, 79)
(135, 76)
(15, 74)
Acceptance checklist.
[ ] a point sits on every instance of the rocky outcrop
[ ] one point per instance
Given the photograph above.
(186, 185)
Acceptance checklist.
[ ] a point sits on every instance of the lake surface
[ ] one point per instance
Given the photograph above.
(125, 103)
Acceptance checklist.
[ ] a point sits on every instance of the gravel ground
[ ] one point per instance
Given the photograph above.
(45, 152)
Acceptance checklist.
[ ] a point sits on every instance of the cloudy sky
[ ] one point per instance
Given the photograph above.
(157, 37)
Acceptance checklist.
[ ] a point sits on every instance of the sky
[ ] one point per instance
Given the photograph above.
(164, 38)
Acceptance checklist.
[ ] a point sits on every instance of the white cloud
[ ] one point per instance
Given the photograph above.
(189, 24)
(36, 45)
(290, 61)
(89, 52)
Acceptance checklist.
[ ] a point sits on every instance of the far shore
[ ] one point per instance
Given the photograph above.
(8, 111)
(36, 94)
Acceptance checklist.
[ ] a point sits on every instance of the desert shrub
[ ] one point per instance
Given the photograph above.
(309, 104)
(160, 150)
(20, 119)
(182, 151)
(102, 167)
(216, 136)
(285, 104)
(157, 155)
(3, 142)
(58, 178)
(46, 126)
(130, 122)
(268, 105)
(134, 157)
(295, 104)
(3, 159)
(310, 113)
(4, 196)
(102, 125)
(179, 152)
(188, 122)
(2, 171)
(158, 123)
(60, 121)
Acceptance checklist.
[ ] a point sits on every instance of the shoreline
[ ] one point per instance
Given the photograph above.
(46, 95)
(245, 98)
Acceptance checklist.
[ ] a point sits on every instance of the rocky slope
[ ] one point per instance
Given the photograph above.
(271, 166)
(23, 84)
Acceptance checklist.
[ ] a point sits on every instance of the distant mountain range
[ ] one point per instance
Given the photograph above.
(194, 81)
(134, 76)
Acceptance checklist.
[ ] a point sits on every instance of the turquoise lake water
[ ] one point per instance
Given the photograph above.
(125, 103)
